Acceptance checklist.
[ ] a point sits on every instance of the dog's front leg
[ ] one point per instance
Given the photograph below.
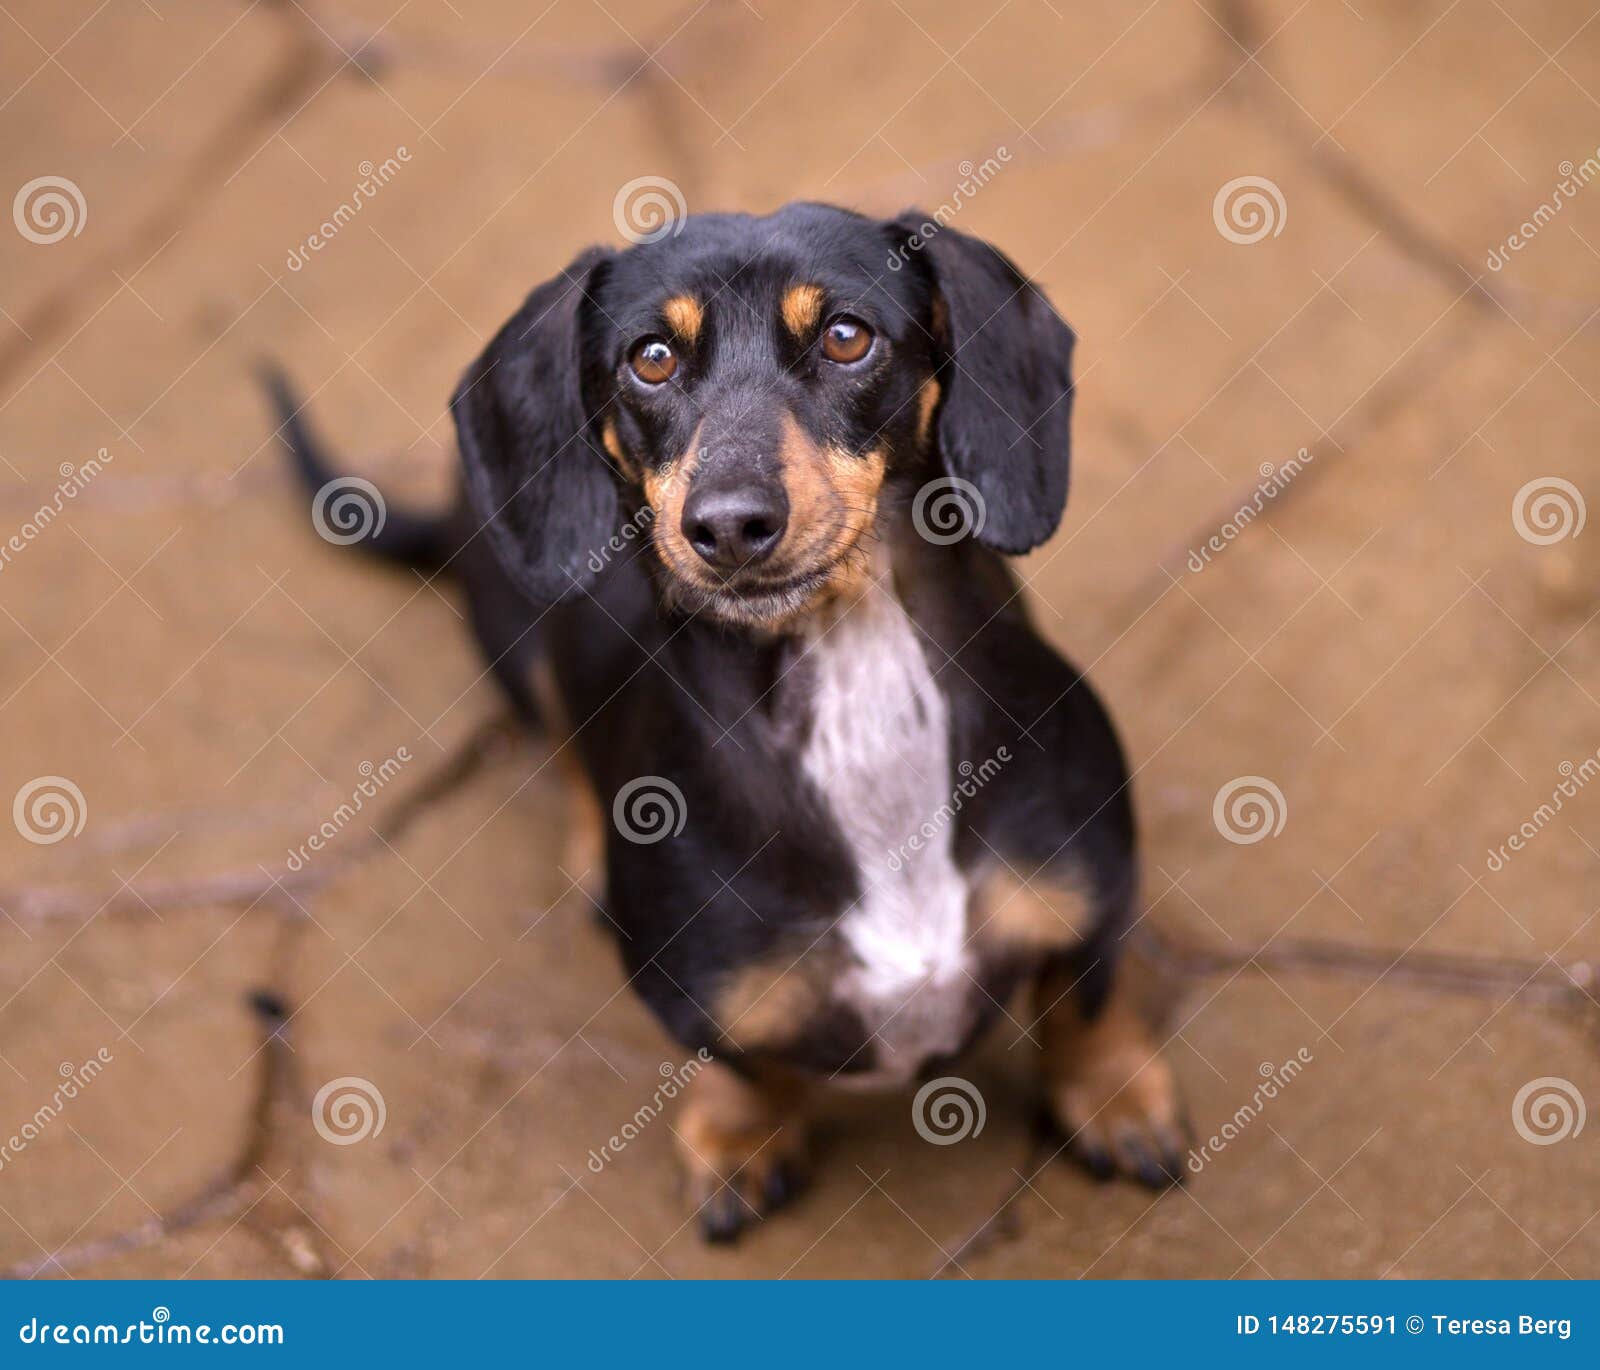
(1114, 1098)
(741, 1140)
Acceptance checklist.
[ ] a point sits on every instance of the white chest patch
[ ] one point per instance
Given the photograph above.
(879, 754)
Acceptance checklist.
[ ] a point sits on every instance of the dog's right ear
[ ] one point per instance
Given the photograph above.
(542, 493)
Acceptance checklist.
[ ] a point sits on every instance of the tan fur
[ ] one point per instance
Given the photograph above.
(764, 1006)
(613, 445)
(1109, 1088)
(684, 316)
(1039, 914)
(927, 402)
(666, 490)
(802, 309)
(738, 1131)
(833, 501)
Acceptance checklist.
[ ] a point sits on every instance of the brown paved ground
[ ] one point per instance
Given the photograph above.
(1382, 644)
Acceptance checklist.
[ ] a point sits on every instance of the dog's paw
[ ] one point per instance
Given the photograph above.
(741, 1190)
(742, 1148)
(1123, 1119)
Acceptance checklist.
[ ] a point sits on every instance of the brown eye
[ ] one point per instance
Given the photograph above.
(653, 360)
(846, 340)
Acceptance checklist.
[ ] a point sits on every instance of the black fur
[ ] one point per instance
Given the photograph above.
(544, 494)
(1005, 359)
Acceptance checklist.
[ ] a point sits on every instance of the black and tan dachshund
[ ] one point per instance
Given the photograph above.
(736, 506)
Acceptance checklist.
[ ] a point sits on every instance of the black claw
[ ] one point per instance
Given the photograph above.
(722, 1217)
(1150, 1174)
(1096, 1159)
(1153, 1176)
(782, 1184)
(1172, 1163)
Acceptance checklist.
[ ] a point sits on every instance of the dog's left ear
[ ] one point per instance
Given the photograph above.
(1004, 360)
(544, 496)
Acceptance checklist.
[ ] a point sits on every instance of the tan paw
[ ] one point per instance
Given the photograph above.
(742, 1149)
(1124, 1118)
(1113, 1097)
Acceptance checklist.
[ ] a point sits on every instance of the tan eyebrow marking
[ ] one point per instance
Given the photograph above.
(802, 309)
(684, 316)
(927, 402)
(613, 444)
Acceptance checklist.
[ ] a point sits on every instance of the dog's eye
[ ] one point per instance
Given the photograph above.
(653, 360)
(846, 340)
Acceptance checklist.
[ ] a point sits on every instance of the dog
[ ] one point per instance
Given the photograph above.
(736, 507)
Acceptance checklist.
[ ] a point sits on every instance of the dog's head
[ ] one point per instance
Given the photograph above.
(757, 389)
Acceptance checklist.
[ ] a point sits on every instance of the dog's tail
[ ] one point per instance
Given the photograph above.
(408, 538)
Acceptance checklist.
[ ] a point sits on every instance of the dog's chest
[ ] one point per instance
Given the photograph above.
(878, 752)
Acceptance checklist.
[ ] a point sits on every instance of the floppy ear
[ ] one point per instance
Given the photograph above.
(542, 493)
(1005, 365)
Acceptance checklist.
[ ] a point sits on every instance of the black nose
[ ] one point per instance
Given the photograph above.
(734, 526)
